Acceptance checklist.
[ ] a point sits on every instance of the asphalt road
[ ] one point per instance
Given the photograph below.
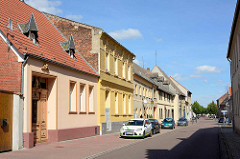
(197, 141)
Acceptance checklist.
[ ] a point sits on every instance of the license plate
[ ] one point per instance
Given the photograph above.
(129, 133)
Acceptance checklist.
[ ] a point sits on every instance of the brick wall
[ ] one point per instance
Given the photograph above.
(10, 69)
(82, 37)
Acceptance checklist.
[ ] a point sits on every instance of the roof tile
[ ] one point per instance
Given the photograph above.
(48, 37)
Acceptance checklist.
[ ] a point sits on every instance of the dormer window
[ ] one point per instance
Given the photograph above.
(30, 29)
(69, 46)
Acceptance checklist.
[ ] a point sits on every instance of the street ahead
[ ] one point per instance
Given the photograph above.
(197, 141)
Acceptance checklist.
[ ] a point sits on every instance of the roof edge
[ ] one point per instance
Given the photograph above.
(118, 43)
(234, 23)
(58, 63)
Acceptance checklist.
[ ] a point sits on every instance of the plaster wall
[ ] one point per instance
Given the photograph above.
(58, 116)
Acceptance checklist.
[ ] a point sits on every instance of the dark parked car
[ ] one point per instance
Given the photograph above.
(182, 122)
(168, 123)
(155, 126)
(221, 120)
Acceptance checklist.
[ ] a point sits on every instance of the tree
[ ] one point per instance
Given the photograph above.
(212, 108)
(196, 107)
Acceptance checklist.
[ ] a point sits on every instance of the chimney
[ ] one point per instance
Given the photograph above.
(148, 69)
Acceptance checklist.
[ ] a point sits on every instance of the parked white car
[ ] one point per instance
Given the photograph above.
(136, 128)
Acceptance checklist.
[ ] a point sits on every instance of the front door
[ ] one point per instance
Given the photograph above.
(39, 115)
(6, 108)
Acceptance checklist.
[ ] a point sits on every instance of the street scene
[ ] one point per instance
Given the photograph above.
(119, 79)
(193, 141)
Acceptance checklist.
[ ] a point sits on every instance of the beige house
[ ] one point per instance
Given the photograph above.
(152, 96)
(177, 105)
(113, 62)
(186, 100)
(233, 58)
(58, 87)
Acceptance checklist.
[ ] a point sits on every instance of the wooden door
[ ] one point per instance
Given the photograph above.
(6, 107)
(39, 116)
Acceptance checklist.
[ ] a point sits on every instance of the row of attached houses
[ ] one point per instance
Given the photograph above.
(158, 96)
(233, 55)
(224, 104)
(61, 79)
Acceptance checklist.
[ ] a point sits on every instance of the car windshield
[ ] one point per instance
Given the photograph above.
(167, 120)
(134, 123)
(182, 119)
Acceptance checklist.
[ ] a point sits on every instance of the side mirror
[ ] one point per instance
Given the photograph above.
(124, 124)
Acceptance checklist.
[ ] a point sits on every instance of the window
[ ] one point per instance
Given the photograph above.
(136, 89)
(69, 47)
(140, 90)
(123, 72)
(82, 98)
(90, 99)
(116, 66)
(143, 91)
(129, 73)
(107, 62)
(72, 97)
(116, 103)
(129, 105)
(29, 29)
(124, 104)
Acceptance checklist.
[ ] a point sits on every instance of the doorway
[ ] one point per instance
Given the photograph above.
(39, 109)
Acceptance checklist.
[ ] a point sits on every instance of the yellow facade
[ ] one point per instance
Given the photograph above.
(115, 86)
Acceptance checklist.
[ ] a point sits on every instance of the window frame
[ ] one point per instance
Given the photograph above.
(70, 111)
(80, 99)
(92, 94)
(116, 103)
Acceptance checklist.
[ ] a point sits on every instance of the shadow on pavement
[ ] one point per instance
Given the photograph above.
(203, 144)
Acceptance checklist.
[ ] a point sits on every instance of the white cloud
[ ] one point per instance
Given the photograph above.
(220, 92)
(74, 17)
(208, 69)
(179, 77)
(195, 76)
(174, 62)
(126, 34)
(205, 81)
(159, 40)
(140, 63)
(45, 5)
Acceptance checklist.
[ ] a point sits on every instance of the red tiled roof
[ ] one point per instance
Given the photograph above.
(230, 91)
(48, 37)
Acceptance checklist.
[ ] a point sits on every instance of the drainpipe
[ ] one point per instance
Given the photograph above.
(22, 72)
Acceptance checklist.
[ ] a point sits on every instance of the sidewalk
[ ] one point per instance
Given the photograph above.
(74, 149)
(89, 147)
(229, 143)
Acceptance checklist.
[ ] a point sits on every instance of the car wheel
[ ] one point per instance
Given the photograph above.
(150, 134)
(153, 131)
(143, 135)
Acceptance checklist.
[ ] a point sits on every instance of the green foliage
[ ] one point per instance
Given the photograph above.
(197, 108)
(212, 108)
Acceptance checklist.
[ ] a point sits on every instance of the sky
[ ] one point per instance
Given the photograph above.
(187, 39)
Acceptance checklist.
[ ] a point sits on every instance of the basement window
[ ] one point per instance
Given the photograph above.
(30, 29)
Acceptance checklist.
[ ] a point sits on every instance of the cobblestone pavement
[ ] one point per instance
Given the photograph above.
(230, 142)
